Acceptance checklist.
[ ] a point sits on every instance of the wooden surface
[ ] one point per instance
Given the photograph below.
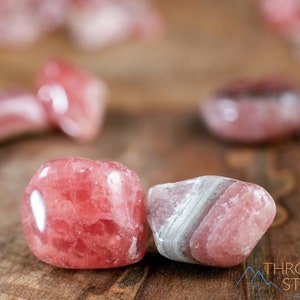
(152, 127)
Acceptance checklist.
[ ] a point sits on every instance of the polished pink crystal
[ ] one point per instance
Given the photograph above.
(251, 112)
(210, 220)
(97, 23)
(20, 113)
(75, 100)
(79, 213)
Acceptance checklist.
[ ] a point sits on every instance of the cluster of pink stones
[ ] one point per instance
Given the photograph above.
(92, 23)
(79, 213)
(253, 111)
(66, 97)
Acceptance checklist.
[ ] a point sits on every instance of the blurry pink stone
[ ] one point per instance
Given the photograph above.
(23, 21)
(18, 25)
(51, 13)
(20, 113)
(83, 214)
(93, 23)
(68, 98)
(282, 16)
(75, 101)
(250, 112)
(209, 220)
(98, 23)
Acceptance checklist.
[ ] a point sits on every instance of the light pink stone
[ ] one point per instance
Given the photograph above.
(282, 16)
(252, 112)
(79, 213)
(92, 23)
(209, 220)
(21, 113)
(22, 22)
(97, 23)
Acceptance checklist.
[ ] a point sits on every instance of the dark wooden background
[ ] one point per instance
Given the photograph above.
(152, 127)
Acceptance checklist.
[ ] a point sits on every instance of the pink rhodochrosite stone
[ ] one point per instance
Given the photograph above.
(74, 100)
(250, 112)
(80, 213)
(20, 113)
(210, 220)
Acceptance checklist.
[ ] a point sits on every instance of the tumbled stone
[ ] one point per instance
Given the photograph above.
(75, 100)
(80, 213)
(250, 112)
(210, 220)
(99, 23)
(20, 113)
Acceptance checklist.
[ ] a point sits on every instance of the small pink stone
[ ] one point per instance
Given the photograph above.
(23, 22)
(21, 113)
(18, 23)
(251, 112)
(75, 101)
(84, 214)
(51, 14)
(209, 220)
(283, 16)
(98, 23)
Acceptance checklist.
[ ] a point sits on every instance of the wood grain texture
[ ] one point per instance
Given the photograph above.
(152, 127)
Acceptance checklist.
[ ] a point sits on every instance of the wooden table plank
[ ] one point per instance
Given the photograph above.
(152, 127)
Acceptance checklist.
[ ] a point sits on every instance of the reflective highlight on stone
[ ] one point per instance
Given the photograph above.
(250, 112)
(210, 220)
(79, 213)
(74, 100)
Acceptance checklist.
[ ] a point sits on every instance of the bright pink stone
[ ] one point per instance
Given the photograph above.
(20, 113)
(210, 220)
(97, 23)
(79, 213)
(74, 100)
(250, 112)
